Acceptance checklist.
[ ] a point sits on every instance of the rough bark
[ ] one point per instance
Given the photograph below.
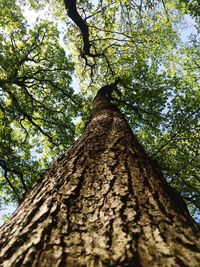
(103, 203)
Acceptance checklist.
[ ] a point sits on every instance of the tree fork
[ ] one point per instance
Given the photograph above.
(103, 203)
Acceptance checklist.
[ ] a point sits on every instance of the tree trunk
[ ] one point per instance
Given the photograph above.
(103, 203)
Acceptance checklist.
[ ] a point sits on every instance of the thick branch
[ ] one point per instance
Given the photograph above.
(107, 90)
(80, 23)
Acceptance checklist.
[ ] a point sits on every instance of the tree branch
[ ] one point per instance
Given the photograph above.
(80, 23)
(4, 167)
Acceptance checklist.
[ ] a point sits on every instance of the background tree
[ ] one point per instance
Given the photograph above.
(37, 103)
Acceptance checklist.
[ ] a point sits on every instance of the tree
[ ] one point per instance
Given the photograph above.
(159, 98)
(159, 77)
(105, 202)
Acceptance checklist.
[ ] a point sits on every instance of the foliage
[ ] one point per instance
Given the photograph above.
(138, 41)
(193, 7)
(37, 104)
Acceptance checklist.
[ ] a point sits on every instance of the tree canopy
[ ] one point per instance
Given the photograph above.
(146, 45)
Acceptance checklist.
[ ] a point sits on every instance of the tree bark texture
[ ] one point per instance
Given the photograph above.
(103, 203)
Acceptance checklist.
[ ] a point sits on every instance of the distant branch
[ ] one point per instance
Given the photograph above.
(29, 117)
(138, 111)
(172, 137)
(6, 170)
